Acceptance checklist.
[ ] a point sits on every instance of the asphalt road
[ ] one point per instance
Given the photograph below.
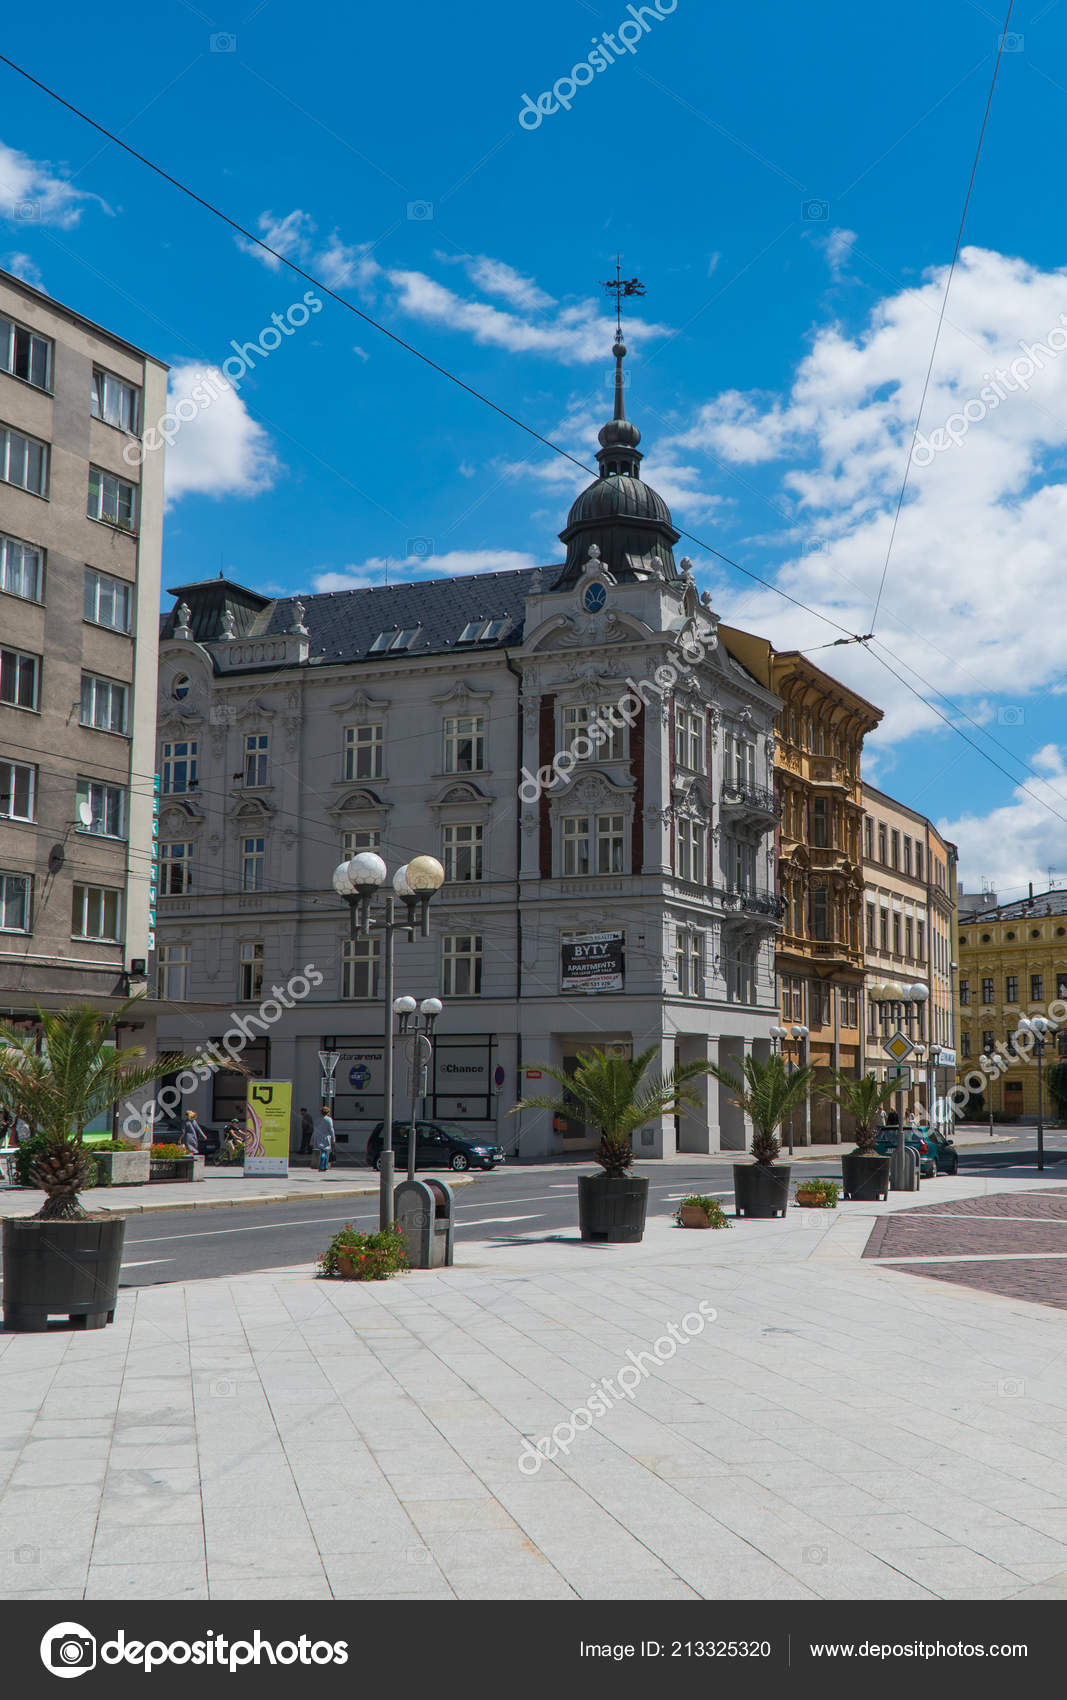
(189, 1245)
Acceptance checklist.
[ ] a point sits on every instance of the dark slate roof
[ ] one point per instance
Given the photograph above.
(343, 624)
(1042, 903)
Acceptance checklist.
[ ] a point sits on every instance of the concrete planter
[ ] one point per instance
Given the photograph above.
(122, 1168)
(177, 1169)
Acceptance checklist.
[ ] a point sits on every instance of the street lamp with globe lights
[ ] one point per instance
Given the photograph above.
(358, 881)
(420, 1039)
(801, 1034)
(1032, 1031)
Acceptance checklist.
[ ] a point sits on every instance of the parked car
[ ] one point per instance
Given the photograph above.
(943, 1147)
(887, 1140)
(438, 1145)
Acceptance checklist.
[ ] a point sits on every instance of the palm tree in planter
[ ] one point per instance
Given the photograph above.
(864, 1174)
(613, 1095)
(64, 1261)
(767, 1093)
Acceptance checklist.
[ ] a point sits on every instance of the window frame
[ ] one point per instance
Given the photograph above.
(98, 684)
(362, 957)
(26, 880)
(134, 390)
(167, 763)
(21, 657)
(95, 582)
(355, 747)
(8, 357)
(453, 959)
(8, 545)
(256, 761)
(251, 968)
(165, 968)
(253, 862)
(103, 792)
(101, 474)
(454, 848)
(170, 864)
(454, 739)
(101, 892)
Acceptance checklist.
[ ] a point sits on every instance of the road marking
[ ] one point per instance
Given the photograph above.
(145, 1261)
(485, 1221)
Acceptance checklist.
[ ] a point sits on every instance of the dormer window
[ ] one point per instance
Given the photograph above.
(396, 638)
(483, 631)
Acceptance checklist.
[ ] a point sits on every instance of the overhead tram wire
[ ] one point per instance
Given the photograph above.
(556, 448)
(941, 314)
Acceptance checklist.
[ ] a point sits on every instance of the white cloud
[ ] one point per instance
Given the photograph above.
(222, 451)
(454, 563)
(32, 191)
(342, 264)
(21, 265)
(838, 249)
(290, 236)
(1018, 842)
(496, 277)
(980, 538)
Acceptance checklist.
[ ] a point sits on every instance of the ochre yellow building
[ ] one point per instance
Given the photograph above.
(1013, 962)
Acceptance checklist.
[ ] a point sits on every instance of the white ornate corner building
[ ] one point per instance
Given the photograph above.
(590, 764)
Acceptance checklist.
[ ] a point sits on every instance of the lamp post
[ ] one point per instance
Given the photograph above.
(421, 1056)
(989, 1050)
(1032, 1030)
(358, 881)
(778, 1036)
(802, 1034)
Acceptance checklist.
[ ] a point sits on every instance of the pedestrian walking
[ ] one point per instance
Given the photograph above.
(307, 1128)
(193, 1136)
(324, 1137)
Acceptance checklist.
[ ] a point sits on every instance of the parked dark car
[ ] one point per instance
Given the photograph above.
(438, 1145)
(886, 1144)
(943, 1147)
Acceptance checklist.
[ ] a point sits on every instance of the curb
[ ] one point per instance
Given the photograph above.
(234, 1203)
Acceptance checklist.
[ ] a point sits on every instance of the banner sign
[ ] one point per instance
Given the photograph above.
(269, 1113)
(592, 962)
(462, 1077)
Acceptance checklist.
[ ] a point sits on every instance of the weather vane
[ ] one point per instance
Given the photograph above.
(620, 286)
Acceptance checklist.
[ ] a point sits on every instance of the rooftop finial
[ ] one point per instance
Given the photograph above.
(620, 286)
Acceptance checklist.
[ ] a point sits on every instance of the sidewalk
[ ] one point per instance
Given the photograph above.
(838, 1430)
(216, 1190)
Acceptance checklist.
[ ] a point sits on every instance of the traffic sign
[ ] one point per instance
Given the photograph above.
(901, 1073)
(328, 1063)
(898, 1046)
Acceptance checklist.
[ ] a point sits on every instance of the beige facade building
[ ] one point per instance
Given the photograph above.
(908, 936)
(80, 542)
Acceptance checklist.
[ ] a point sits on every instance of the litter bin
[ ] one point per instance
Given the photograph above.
(426, 1218)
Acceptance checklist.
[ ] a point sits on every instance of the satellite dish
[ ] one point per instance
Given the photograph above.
(85, 813)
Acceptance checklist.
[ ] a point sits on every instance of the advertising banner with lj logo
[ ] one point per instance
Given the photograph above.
(269, 1113)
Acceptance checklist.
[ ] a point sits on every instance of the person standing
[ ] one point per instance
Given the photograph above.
(324, 1137)
(307, 1128)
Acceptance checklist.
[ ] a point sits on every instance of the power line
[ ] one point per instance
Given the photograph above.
(941, 314)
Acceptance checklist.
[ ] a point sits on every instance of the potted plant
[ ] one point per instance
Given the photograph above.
(865, 1175)
(353, 1256)
(815, 1194)
(699, 1211)
(767, 1093)
(613, 1094)
(175, 1163)
(65, 1261)
(120, 1163)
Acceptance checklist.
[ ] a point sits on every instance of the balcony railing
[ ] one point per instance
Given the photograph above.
(750, 903)
(754, 798)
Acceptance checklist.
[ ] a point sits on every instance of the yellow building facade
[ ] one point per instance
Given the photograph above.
(1012, 962)
(819, 957)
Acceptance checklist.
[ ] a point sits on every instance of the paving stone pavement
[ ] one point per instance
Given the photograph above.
(1000, 1229)
(835, 1431)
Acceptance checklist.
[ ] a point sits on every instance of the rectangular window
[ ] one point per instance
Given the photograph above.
(896, 933)
(172, 975)
(111, 499)
(23, 461)
(820, 830)
(104, 806)
(115, 402)
(463, 851)
(989, 1039)
(464, 743)
(1011, 988)
(96, 913)
(870, 926)
(599, 723)
(364, 751)
(609, 844)
(1061, 985)
(253, 858)
(883, 929)
(851, 1013)
(21, 568)
(868, 838)
(907, 855)
(15, 890)
(689, 740)
(18, 790)
(1037, 988)
(175, 870)
(690, 858)
(250, 963)
(25, 354)
(461, 962)
(918, 860)
(108, 601)
(965, 991)
(909, 934)
(820, 1004)
(363, 838)
(689, 959)
(895, 847)
(104, 703)
(575, 845)
(821, 912)
(987, 990)
(965, 1044)
(361, 961)
(19, 678)
(178, 766)
(883, 843)
(920, 939)
(257, 748)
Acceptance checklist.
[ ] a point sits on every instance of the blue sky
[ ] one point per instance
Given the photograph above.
(787, 186)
